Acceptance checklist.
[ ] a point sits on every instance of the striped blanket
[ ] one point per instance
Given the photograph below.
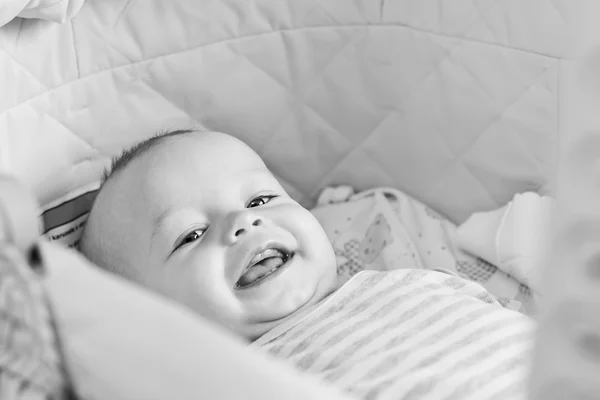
(410, 334)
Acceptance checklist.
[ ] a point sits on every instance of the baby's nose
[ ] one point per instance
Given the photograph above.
(240, 225)
(241, 231)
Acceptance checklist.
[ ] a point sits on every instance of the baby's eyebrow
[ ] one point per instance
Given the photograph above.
(158, 224)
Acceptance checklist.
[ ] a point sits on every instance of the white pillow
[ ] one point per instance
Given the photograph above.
(120, 341)
(50, 10)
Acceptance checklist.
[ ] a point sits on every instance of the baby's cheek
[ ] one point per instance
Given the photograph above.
(315, 232)
(208, 298)
(321, 247)
(179, 281)
(206, 286)
(307, 230)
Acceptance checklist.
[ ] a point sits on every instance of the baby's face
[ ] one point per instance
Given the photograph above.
(204, 222)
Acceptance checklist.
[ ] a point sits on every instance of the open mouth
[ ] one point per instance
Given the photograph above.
(263, 264)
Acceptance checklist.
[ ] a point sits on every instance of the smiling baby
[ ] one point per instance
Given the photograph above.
(199, 218)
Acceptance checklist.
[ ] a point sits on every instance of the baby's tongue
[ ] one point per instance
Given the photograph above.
(259, 270)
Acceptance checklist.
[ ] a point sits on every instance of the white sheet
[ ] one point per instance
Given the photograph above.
(515, 237)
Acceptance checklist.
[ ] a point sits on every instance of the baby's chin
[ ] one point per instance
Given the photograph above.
(255, 330)
(288, 308)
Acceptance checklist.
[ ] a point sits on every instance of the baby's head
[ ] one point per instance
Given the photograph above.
(198, 217)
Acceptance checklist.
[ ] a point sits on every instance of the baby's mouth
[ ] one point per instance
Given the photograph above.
(262, 265)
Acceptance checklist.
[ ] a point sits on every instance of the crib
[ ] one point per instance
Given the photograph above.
(460, 104)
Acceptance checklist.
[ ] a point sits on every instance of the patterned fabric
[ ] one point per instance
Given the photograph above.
(410, 334)
(384, 229)
(477, 270)
(353, 263)
(29, 358)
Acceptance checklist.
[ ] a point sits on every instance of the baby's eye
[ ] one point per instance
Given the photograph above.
(190, 237)
(260, 200)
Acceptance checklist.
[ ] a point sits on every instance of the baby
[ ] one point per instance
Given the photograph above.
(199, 218)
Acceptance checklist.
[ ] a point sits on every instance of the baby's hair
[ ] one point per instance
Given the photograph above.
(118, 164)
(121, 161)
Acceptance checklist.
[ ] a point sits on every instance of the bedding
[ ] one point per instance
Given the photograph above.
(363, 93)
(514, 237)
(384, 229)
(50, 10)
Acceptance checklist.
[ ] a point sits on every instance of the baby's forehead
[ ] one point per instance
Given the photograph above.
(218, 150)
(161, 174)
(175, 165)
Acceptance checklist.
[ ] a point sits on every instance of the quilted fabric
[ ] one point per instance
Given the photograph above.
(50, 10)
(455, 102)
